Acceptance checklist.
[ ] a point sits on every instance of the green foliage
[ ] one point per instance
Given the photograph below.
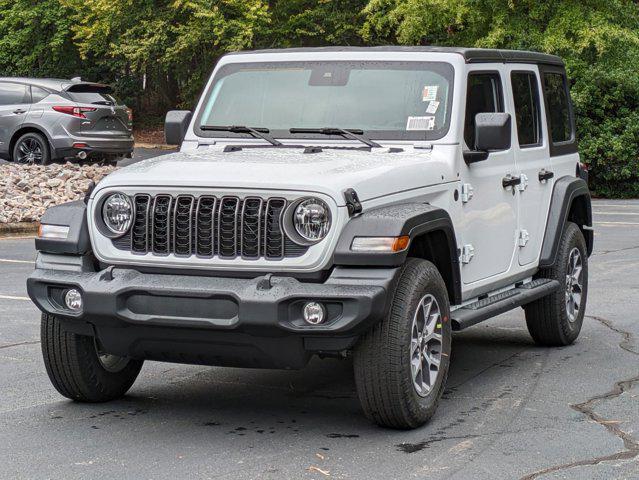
(598, 39)
(35, 39)
(158, 53)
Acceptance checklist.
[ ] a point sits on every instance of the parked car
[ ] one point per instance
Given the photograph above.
(331, 202)
(49, 119)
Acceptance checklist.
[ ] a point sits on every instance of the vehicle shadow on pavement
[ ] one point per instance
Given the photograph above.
(320, 397)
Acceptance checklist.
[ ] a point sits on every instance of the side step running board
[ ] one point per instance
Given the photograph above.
(489, 307)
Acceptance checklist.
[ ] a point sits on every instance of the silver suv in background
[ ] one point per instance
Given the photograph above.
(49, 119)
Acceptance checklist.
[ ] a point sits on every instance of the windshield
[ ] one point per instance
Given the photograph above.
(386, 100)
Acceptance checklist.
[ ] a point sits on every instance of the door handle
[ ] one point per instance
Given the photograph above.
(19, 111)
(545, 175)
(510, 181)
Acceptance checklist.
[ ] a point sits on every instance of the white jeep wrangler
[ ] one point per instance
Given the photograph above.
(331, 202)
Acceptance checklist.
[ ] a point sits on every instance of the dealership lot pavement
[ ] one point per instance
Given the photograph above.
(512, 410)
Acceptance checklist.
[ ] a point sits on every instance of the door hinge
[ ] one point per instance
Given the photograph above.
(467, 192)
(524, 236)
(524, 183)
(467, 254)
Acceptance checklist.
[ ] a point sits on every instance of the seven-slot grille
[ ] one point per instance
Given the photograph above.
(207, 226)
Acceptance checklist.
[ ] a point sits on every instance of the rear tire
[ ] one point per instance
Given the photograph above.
(556, 319)
(389, 358)
(32, 148)
(76, 369)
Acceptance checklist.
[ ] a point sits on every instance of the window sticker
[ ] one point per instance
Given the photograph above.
(420, 123)
(429, 93)
(433, 105)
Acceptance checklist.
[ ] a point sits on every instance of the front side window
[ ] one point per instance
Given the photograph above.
(484, 95)
(386, 100)
(527, 113)
(556, 92)
(14, 94)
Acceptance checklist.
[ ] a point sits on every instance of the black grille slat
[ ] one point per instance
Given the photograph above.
(273, 233)
(204, 226)
(208, 226)
(161, 225)
(140, 227)
(251, 222)
(227, 226)
(182, 228)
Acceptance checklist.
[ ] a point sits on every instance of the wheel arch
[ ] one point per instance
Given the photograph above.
(570, 203)
(432, 238)
(29, 128)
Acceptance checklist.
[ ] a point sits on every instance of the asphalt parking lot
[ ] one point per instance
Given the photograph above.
(511, 410)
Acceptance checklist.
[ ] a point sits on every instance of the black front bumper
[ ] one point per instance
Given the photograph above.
(209, 319)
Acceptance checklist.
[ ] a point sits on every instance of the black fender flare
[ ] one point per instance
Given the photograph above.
(405, 219)
(565, 191)
(74, 216)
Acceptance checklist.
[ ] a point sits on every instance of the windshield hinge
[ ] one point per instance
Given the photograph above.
(423, 146)
(352, 202)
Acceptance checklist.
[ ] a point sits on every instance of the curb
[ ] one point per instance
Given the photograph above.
(20, 228)
(155, 146)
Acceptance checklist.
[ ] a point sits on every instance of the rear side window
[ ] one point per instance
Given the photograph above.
(558, 108)
(38, 94)
(14, 93)
(484, 95)
(527, 112)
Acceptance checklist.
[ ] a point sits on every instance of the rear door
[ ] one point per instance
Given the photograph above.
(106, 116)
(15, 102)
(532, 158)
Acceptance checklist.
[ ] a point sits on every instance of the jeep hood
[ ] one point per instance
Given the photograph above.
(371, 173)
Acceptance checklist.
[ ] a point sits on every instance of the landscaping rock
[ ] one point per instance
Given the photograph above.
(26, 191)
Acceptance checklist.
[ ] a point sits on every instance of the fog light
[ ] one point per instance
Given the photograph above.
(73, 300)
(314, 313)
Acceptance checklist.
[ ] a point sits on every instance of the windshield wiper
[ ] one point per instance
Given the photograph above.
(256, 132)
(352, 133)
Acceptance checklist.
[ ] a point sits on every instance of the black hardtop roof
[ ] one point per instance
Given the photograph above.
(471, 55)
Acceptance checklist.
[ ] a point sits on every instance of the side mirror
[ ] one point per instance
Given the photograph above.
(176, 124)
(492, 131)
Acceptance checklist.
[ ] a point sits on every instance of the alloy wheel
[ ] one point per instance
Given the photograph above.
(574, 284)
(426, 345)
(30, 151)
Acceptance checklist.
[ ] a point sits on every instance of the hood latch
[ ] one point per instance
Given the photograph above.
(352, 202)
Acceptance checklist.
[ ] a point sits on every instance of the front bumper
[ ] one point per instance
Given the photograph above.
(253, 322)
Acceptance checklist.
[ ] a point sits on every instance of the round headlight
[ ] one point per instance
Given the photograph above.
(312, 219)
(117, 213)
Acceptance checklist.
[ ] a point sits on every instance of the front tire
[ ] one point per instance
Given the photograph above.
(32, 148)
(401, 365)
(556, 319)
(78, 371)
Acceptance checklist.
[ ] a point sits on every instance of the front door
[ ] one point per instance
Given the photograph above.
(532, 158)
(489, 210)
(15, 100)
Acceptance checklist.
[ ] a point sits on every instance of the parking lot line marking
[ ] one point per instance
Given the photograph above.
(616, 223)
(9, 260)
(615, 213)
(12, 297)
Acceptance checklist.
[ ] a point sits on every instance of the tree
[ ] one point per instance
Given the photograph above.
(599, 41)
(36, 39)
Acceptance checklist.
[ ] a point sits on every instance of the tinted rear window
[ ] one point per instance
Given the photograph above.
(556, 92)
(91, 97)
(526, 97)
